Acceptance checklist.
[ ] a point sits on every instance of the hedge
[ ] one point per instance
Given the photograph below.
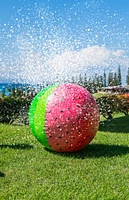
(111, 104)
(12, 108)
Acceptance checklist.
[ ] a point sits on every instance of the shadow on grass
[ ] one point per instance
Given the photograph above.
(117, 125)
(17, 124)
(2, 174)
(16, 146)
(96, 151)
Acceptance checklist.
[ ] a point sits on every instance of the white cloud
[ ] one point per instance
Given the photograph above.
(34, 67)
(94, 57)
(118, 53)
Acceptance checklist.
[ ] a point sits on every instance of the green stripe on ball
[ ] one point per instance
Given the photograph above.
(37, 115)
(32, 110)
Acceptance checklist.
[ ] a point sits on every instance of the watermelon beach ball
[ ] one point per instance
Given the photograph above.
(64, 118)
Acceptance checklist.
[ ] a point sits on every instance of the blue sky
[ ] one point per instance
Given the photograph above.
(42, 38)
(7, 6)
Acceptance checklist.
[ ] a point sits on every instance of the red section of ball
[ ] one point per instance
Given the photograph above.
(72, 118)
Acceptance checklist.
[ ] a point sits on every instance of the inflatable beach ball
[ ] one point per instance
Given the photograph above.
(64, 118)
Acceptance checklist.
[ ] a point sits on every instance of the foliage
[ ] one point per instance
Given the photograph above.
(111, 104)
(114, 79)
(14, 108)
(125, 96)
(104, 79)
(21, 90)
(16, 104)
(118, 76)
(127, 77)
(98, 81)
(99, 171)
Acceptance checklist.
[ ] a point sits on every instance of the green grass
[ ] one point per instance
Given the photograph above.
(98, 95)
(98, 172)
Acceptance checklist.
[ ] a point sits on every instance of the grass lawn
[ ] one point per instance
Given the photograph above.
(98, 172)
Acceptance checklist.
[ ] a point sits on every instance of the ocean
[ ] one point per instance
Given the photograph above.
(4, 86)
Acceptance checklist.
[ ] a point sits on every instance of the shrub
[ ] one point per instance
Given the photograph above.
(16, 104)
(110, 104)
(13, 108)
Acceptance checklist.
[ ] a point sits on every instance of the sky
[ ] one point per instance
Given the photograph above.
(45, 40)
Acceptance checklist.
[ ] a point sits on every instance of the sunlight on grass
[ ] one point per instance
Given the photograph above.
(99, 171)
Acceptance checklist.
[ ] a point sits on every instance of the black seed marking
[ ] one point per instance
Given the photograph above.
(58, 126)
(61, 111)
(66, 141)
(49, 111)
(56, 118)
(57, 144)
(50, 136)
(60, 137)
(68, 118)
(67, 132)
(55, 94)
(49, 129)
(78, 106)
(79, 131)
(74, 138)
(68, 108)
(79, 98)
(56, 104)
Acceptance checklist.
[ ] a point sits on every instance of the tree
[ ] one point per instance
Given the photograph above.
(3, 92)
(104, 79)
(100, 81)
(80, 81)
(127, 77)
(96, 80)
(13, 92)
(110, 79)
(85, 81)
(115, 79)
(119, 76)
(73, 80)
(89, 85)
